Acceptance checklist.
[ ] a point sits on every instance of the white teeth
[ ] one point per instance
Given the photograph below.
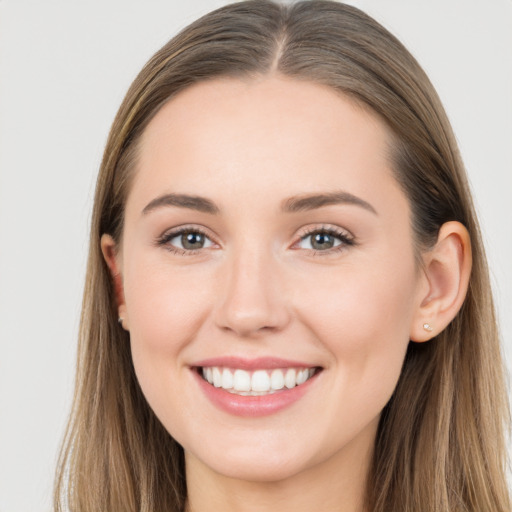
(302, 376)
(217, 378)
(242, 381)
(227, 379)
(290, 378)
(207, 374)
(259, 382)
(277, 380)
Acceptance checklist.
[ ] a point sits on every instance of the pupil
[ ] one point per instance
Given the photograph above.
(322, 241)
(192, 240)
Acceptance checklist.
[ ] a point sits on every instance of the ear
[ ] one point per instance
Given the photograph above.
(446, 272)
(112, 257)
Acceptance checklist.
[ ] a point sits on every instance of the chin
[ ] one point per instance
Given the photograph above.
(260, 469)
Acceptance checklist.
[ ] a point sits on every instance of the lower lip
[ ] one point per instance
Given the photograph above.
(253, 406)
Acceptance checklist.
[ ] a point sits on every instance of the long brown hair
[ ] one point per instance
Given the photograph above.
(441, 439)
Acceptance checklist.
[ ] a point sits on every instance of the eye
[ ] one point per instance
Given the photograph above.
(325, 239)
(185, 240)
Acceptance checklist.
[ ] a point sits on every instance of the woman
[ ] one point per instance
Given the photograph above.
(287, 303)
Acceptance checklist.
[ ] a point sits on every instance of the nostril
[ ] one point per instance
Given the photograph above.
(252, 319)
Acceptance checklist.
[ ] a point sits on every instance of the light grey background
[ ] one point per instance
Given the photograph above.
(64, 68)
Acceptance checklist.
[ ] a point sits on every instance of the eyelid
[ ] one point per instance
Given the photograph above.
(327, 228)
(164, 239)
(344, 235)
(346, 238)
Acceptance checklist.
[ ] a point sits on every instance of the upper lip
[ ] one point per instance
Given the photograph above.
(252, 364)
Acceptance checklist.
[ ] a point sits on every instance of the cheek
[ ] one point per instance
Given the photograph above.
(165, 309)
(361, 303)
(365, 324)
(165, 305)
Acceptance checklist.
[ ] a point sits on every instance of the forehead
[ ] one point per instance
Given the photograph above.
(267, 136)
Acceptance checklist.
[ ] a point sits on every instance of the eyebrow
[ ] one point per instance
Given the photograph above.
(291, 205)
(311, 202)
(201, 204)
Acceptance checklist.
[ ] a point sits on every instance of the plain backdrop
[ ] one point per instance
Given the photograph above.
(64, 68)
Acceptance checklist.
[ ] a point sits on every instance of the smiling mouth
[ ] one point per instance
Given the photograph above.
(258, 382)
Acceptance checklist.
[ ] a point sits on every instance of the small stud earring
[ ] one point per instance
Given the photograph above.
(120, 320)
(427, 327)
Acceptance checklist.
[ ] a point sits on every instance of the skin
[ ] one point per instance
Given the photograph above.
(257, 288)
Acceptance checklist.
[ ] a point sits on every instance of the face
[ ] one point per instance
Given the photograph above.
(269, 276)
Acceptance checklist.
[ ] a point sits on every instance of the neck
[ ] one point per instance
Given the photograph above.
(334, 485)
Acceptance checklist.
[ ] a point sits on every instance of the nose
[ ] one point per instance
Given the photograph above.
(252, 298)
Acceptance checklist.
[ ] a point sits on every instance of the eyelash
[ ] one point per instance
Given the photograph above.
(164, 240)
(346, 239)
